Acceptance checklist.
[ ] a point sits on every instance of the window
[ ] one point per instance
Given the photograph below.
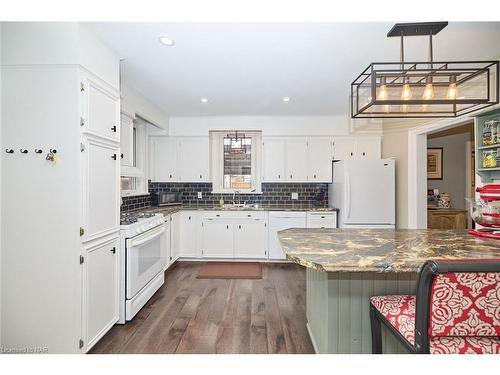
(133, 145)
(235, 161)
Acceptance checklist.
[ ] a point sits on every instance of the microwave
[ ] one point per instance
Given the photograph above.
(165, 199)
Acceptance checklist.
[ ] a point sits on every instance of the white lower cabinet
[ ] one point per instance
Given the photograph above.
(217, 238)
(175, 237)
(101, 288)
(188, 234)
(250, 239)
(166, 242)
(322, 219)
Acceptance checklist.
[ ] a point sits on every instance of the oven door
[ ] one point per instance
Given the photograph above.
(146, 257)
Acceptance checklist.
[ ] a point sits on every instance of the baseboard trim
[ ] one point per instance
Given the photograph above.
(313, 341)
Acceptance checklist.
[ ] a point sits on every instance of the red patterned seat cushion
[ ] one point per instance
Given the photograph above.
(465, 304)
(399, 311)
(465, 345)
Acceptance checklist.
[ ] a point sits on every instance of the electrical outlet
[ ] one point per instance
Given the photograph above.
(200, 195)
(295, 196)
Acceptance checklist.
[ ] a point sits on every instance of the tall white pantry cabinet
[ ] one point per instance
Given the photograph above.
(60, 219)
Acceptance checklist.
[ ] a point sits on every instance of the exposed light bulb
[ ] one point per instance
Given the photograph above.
(452, 89)
(428, 92)
(406, 94)
(382, 91)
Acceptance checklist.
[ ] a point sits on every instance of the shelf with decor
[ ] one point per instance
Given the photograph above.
(488, 145)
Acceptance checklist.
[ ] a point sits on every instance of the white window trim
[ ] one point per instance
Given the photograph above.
(217, 161)
(141, 186)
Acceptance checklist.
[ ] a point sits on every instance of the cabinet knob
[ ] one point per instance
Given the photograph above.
(239, 226)
(291, 177)
(170, 176)
(9, 151)
(279, 176)
(201, 176)
(364, 154)
(113, 250)
(227, 226)
(121, 156)
(113, 157)
(351, 153)
(314, 176)
(113, 129)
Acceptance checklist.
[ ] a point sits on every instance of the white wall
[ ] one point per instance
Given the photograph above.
(273, 125)
(134, 103)
(454, 168)
(395, 144)
(61, 43)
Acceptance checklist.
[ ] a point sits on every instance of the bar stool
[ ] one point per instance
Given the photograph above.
(456, 310)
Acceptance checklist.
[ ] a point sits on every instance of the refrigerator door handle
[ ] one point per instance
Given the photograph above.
(348, 195)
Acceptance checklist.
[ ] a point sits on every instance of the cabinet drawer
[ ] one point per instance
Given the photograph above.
(234, 215)
(322, 220)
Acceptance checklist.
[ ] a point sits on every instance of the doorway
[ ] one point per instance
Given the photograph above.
(450, 177)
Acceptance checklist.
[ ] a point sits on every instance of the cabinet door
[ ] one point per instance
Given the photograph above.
(344, 149)
(320, 160)
(188, 229)
(101, 290)
(101, 110)
(273, 164)
(368, 148)
(175, 236)
(166, 242)
(194, 158)
(127, 140)
(164, 154)
(250, 239)
(217, 239)
(102, 194)
(296, 160)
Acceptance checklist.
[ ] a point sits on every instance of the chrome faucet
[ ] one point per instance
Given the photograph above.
(234, 193)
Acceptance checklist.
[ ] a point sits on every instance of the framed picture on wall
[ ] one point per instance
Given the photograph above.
(435, 163)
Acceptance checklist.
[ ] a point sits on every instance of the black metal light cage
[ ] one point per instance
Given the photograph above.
(477, 82)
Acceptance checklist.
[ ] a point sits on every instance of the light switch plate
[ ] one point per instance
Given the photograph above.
(200, 195)
(295, 196)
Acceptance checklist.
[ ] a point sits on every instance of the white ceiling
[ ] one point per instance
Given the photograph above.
(246, 69)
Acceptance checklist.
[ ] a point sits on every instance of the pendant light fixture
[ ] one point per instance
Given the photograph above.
(423, 89)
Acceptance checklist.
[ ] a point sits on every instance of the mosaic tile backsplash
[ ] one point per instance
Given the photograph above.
(273, 194)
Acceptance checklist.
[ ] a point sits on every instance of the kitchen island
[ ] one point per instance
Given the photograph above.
(345, 267)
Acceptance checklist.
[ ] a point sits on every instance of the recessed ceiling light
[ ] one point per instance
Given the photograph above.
(204, 100)
(167, 40)
(286, 99)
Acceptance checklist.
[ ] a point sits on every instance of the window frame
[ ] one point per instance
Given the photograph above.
(140, 153)
(216, 138)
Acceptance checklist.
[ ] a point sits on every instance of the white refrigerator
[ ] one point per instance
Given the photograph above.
(364, 191)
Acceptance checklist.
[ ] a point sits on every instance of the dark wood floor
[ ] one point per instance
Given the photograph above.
(189, 315)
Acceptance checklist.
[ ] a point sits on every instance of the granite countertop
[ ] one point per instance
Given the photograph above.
(168, 210)
(380, 250)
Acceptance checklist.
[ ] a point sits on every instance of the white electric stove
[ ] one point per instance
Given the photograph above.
(142, 237)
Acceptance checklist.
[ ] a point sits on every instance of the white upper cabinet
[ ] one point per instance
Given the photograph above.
(101, 109)
(101, 189)
(164, 153)
(368, 148)
(296, 160)
(320, 155)
(194, 160)
(274, 166)
(127, 140)
(356, 148)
